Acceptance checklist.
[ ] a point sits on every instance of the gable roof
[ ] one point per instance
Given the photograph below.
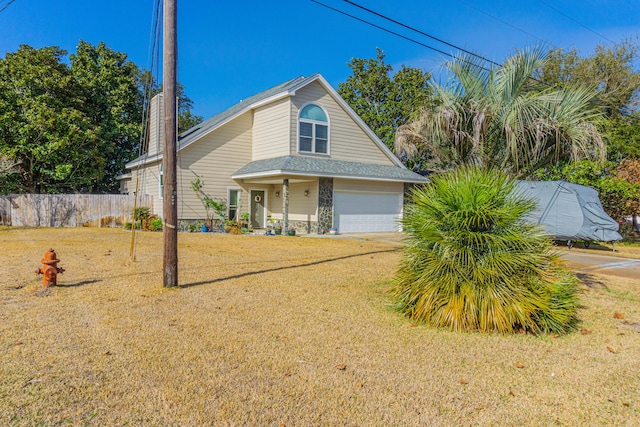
(317, 166)
(280, 91)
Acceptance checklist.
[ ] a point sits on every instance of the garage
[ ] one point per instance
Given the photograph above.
(360, 212)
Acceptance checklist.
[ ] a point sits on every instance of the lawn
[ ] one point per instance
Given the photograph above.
(271, 331)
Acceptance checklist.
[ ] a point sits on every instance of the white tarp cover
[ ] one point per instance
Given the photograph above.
(570, 211)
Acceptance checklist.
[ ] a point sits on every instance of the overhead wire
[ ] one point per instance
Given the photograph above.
(389, 31)
(380, 28)
(482, 58)
(576, 21)
(148, 88)
(497, 18)
(419, 31)
(7, 5)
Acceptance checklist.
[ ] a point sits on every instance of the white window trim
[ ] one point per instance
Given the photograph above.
(238, 201)
(313, 137)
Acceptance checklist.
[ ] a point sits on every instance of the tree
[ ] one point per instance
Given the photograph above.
(113, 102)
(610, 69)
(502, 118)
(186, 119)
(43, 127)
(71, 128)
(472, 261)
(384, 100)
(622, 134)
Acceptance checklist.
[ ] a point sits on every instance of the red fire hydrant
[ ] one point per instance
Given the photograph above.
(50, 268)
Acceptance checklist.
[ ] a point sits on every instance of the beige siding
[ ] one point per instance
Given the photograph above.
(301, 207)
(156, 128)
(126, 187)
(367, 186)
(148, 183)
(215, 157)
(271, 130)
(348, 141)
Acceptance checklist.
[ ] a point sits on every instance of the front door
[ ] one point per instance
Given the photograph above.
(257, 208)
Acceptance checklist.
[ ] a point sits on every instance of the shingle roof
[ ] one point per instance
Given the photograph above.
(196, 131)
(204, 127)
(300, 165)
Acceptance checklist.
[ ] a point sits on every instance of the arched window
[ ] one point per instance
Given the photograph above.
(313, 130)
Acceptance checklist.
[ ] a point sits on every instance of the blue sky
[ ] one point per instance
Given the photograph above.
(231, 50)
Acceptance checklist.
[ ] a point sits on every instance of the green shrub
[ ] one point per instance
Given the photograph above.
(127, 225)
(155, 224)
(472, 262)
(141, 213)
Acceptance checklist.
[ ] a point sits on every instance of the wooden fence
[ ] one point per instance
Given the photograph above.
(69, 210)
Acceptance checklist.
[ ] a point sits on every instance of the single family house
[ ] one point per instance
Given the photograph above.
(295, 153)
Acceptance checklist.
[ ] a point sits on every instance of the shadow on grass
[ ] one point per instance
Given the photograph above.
(77, 284)
(288, 267)
(591, 282)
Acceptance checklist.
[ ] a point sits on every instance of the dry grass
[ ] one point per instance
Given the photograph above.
(255, 335)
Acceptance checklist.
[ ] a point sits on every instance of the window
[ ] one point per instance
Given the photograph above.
(313, 130)
(232, 209)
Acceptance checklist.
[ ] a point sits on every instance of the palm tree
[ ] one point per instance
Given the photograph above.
(473, 263)
(503, 118)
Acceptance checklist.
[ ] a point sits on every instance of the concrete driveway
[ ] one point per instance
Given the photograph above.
(578, 262)
(582, 262)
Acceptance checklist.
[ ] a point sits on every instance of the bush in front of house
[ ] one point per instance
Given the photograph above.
(473, 263)
(155, 224)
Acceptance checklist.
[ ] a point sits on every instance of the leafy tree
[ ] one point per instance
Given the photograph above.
(610, 69)
(71, 128)
(186, 119)
(113, 102)
(623, 136)
(382, 99)
(7, 166)
(43, 125)
(473, 263)
(502, 118)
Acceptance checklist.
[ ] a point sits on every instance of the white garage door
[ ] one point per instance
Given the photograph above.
(367, 212)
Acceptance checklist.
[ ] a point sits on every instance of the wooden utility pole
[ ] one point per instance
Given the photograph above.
(170, 202)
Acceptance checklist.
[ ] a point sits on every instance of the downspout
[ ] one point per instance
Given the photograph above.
(285, 206)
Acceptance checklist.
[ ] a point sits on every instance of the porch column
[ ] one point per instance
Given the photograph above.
(285, 206)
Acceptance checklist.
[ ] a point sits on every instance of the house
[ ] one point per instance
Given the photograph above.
(295, 153)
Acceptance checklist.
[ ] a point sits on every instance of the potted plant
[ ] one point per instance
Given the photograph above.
(277, 228)
(291, 232)
(245, 219)
(228, 225)
(333, 231)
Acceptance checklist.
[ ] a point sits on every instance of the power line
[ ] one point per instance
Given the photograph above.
(504, 22)
(392, 32)
(415, 41)
(382, 28)
(579, 23)
(7, 5)
(419, 32)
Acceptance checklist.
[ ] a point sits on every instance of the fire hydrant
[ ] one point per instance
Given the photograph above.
(50, 268)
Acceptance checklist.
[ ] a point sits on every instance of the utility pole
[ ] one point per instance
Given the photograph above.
(170, 202)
